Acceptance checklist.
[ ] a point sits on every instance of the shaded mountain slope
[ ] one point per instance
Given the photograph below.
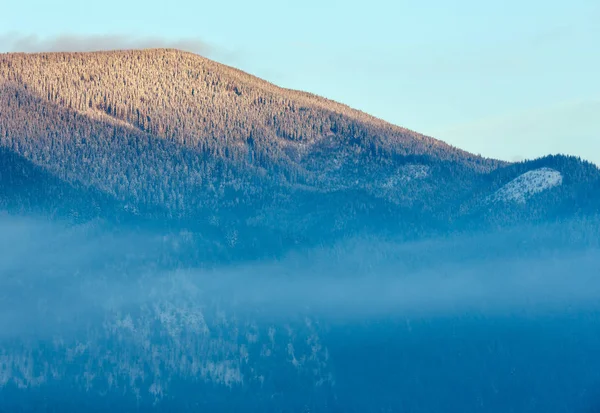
(27, 188)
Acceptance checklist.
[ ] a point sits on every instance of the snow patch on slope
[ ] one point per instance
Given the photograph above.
(529, 184)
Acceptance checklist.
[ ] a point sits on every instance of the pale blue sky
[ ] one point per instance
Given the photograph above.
(505, 79)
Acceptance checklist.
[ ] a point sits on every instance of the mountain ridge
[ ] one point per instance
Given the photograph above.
(175, 136)
(231, 69)
(26, 70)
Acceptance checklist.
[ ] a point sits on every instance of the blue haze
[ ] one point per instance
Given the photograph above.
(491, 323)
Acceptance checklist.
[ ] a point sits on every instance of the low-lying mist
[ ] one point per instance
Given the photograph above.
(45, 266)
(97, 311)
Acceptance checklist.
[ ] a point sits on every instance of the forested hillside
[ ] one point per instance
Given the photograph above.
(117, 119)
(179, 139)
(201, 104)
(27, 188)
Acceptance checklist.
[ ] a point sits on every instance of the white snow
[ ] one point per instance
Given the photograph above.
(528, 184)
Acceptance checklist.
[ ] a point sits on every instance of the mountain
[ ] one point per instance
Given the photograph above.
(182, 141)
(176, 235)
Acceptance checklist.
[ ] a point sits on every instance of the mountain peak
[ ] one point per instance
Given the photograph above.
(181, 84)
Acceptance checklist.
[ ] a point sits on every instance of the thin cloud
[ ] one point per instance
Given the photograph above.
(17, 42)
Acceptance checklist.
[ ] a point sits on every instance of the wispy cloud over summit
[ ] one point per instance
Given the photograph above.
(18, 42)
